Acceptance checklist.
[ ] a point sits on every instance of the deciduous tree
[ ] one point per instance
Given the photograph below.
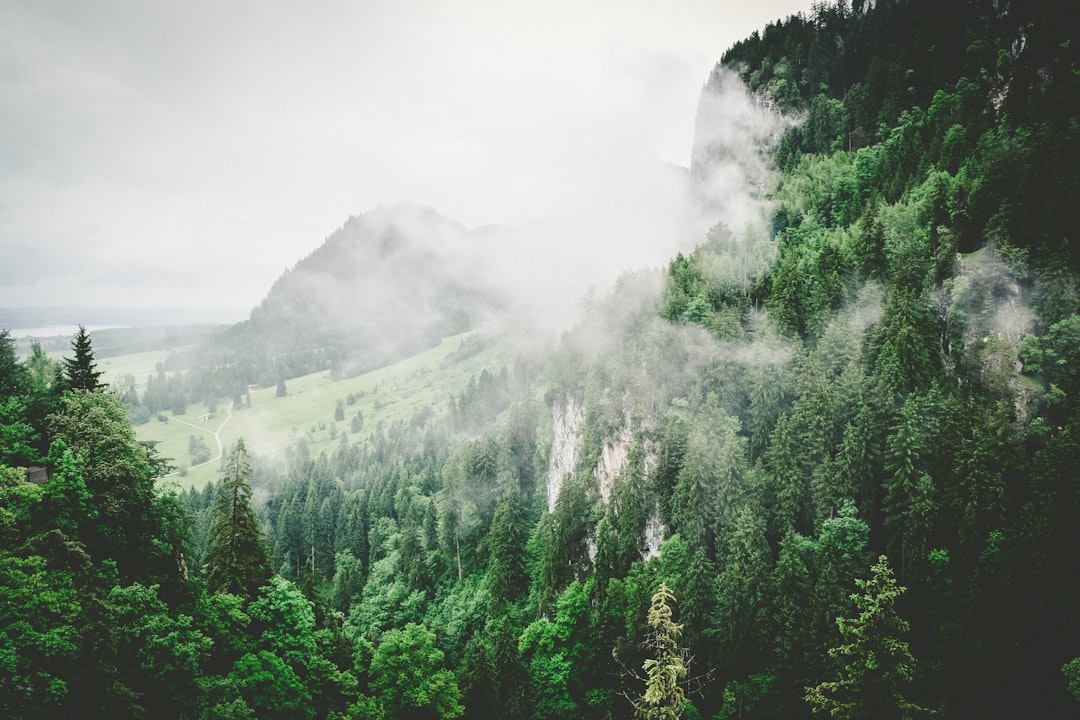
(409, 679)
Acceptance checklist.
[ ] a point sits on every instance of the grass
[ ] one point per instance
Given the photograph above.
(139, 365)
(389, 394)
(1032, 385)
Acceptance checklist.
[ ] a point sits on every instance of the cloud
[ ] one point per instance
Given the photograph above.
(154, 151)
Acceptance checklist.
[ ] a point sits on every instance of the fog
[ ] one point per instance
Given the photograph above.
(184, 154)
(398, 269)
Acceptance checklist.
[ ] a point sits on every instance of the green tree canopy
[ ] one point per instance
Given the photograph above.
(665, 696)
(236, 559)
(118, 471)
(876, 668)
(408, 677)
(81, 371)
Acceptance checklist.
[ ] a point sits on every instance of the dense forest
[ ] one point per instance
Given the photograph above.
(824, 467)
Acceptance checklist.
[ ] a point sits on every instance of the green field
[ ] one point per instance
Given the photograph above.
(139, 365)
(392, 393)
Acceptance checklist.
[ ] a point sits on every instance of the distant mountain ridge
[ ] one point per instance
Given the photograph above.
(51, 315)
(388, 283)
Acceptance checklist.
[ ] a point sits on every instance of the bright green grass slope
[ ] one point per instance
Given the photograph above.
(138, 365)
(395, 392)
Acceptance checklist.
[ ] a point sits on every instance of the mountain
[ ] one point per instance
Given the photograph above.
(385, 285)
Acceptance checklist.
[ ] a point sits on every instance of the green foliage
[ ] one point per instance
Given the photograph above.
(119, 474)
(348, 580)
(876, 668)
(17, 436)
(742, 698)
(80, 371)
(285, 620)
(162, 652)
(40, 637)
(554, 649)
(909, 503)
(66, 503)
(665, 696)
(235, 559)
(1071, 670)
(268, 687)
(507, 578)
(743, 587)
(409, 679)
(712, 287)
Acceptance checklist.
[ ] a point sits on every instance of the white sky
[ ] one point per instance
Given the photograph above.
(161, 153)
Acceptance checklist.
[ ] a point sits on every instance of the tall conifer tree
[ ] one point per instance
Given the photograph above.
(81, 372)
(665, 695)
(876, 667)
(236, 559)
(12, 373)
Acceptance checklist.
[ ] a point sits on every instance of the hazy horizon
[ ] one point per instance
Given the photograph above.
(184, 155)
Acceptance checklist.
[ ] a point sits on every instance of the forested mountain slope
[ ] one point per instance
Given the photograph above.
(837, 440)
(383, 286)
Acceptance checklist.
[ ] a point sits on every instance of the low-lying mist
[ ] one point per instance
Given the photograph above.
(401, 270)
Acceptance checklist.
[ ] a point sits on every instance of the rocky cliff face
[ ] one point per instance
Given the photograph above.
(566, 419)
(613, 459)
(566, 447)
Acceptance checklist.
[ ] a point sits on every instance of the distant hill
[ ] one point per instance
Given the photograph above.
(37, 317)
(387, 284)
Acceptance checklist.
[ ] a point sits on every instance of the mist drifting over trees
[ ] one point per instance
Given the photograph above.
(817, 459)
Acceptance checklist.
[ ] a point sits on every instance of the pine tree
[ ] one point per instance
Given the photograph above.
(80, 372)
(13, 375)
(664, 697)
(236, 559)
(909, 492)
(876, 666)
(506, 571)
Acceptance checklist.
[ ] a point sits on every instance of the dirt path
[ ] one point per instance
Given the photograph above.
(217, 438)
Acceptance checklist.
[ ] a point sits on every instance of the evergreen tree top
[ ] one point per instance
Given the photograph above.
(80, 371)
(236, 560)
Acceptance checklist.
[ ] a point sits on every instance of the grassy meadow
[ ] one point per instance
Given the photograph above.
(392, 393)
(138, 365)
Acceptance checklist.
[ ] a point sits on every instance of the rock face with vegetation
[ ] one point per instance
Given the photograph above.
(823, 464)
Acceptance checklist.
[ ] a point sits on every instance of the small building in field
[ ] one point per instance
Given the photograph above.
(206, 416)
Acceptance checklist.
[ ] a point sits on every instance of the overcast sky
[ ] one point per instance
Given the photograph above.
(164, 153)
